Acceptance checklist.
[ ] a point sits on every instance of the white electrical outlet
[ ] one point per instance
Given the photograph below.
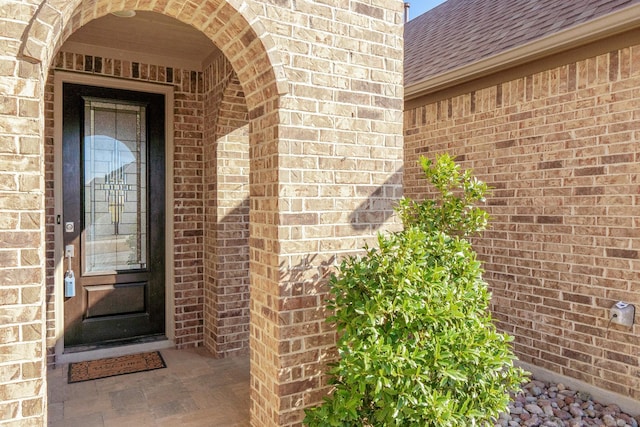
(623, 314)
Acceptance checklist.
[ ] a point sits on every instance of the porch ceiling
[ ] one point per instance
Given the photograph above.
(148, 34)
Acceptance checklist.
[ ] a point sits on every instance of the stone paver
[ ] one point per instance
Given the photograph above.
(194, 390)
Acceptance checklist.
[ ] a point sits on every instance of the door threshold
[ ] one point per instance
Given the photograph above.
(101, 353)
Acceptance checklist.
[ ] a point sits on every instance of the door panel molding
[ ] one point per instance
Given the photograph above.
(60, 78)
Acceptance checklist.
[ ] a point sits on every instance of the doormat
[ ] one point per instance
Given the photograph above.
(112, 366)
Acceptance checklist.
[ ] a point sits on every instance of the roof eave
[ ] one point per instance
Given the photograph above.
(596, 29)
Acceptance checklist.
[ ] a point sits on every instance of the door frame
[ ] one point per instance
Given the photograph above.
(61, 77)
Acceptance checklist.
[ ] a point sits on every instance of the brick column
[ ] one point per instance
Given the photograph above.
(335, 170)
(226, 174)
(22, 325)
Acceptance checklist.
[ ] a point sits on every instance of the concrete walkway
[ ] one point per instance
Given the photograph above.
(194, 390)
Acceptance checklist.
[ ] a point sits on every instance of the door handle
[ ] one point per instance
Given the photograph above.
(69, 277)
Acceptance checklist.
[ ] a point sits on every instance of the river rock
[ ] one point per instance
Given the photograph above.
(545, 404)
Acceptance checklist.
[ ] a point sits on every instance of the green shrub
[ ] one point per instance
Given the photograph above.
(416, 342)
(454, 212)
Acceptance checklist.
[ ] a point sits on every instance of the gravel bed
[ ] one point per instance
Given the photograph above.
(554, 405)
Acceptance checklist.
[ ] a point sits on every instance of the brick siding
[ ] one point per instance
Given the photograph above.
(322, 88)
(226, 180)
(561, 150)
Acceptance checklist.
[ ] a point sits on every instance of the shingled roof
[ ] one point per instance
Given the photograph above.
(461, 32)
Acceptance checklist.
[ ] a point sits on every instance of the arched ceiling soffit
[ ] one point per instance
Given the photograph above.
(230, 24)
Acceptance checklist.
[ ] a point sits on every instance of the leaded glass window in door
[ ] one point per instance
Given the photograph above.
(115, 186)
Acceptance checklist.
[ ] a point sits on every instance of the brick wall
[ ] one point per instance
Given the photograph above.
(188, 211)
(322, 84)
(561, 150)
(226, 178)
(22, 324)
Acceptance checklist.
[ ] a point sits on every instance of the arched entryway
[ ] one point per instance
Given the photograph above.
(322, 85)
(215, 114)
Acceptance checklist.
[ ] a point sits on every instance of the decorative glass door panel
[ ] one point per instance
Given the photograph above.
(115, 187)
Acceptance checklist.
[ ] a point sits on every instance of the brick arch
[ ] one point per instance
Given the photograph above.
(248, 46)
(230, 24)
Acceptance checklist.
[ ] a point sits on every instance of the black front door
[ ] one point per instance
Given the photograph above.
(113, 218)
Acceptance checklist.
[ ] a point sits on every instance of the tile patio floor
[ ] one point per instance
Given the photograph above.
(194, 390)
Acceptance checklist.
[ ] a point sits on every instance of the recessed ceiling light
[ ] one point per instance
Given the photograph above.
(125, 13)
